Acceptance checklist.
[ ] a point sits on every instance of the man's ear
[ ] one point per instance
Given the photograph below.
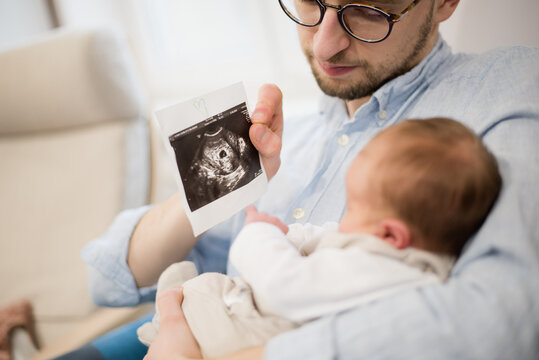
(396, 233)
(444, 10)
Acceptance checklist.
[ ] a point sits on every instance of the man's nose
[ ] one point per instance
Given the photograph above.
(330, 37)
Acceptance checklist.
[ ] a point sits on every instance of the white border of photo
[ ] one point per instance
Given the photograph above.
(178, 117)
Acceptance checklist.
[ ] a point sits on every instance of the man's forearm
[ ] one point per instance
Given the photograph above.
(162, 237)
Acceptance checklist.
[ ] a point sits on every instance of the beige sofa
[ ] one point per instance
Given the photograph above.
(74, 151)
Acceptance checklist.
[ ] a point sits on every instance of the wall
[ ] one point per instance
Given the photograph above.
(20, 20)
(481, 25)
(185, 48)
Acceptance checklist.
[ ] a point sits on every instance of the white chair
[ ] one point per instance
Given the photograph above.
(74, 151)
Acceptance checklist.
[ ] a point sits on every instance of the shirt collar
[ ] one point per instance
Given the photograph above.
(400, 88)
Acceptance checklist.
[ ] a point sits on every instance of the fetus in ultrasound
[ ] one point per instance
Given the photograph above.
(216, 156)
(220, 165)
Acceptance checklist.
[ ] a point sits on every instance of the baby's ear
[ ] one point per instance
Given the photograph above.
(396, 233)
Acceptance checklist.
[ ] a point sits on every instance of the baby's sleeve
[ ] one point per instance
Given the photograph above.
(305, 237)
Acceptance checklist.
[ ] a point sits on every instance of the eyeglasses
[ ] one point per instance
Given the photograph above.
(363, 22)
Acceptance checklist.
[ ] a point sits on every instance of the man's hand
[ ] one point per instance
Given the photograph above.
(253, 215)
(267, 129)
(174, 339)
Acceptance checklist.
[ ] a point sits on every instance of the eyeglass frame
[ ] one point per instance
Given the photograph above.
(390, 17)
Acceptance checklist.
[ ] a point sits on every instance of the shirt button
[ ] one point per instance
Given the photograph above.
(343, 140)
(382, 115)
(298, 214)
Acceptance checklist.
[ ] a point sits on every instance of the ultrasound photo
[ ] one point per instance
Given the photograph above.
(216, 156)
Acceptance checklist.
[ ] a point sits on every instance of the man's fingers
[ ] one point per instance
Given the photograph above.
(267, 129)
(269, 108)
(269, 102)
(269, 145)
(169, 304)
(266, 141)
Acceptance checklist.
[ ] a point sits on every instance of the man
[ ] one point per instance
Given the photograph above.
(488, 308)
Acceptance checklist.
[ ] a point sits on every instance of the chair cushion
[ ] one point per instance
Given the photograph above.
(66, 80)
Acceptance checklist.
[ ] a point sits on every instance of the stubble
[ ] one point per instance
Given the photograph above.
(374, 75)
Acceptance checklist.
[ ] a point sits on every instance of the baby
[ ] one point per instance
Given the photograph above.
(415, 194)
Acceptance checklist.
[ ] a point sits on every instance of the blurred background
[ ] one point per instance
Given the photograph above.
(185, 48)
(79, 81)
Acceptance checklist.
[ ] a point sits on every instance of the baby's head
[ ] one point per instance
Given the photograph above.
(423, 183)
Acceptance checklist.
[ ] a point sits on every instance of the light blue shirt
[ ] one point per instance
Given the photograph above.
(489, 308)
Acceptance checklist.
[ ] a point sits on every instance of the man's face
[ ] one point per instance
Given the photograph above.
(351, 69)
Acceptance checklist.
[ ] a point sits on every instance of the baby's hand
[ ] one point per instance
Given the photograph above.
(253, 215)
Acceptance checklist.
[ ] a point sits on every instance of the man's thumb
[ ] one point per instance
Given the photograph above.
(169, 303)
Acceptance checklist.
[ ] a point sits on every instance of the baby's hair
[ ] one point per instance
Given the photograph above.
(440, 179)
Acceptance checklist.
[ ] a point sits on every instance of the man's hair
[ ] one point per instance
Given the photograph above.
(440, 179)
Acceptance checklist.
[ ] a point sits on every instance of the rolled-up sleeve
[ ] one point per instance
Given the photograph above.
(110, 281)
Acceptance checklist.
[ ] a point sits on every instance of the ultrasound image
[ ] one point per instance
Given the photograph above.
(216, 157)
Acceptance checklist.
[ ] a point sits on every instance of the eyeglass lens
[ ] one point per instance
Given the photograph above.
(363, 22)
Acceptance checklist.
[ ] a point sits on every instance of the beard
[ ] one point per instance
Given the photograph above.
(374, 76)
